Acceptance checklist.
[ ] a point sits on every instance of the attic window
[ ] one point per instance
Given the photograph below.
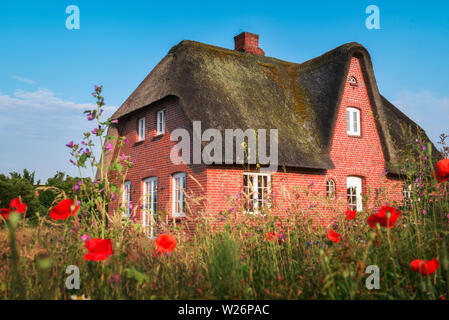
(353, 121)
(352, 81)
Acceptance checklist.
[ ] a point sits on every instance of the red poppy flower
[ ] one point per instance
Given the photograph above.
(333, 236)
(381, 217)
(99, 249)
(165, 243)
(271, 236)
(424, 267)
(16, 205)
(350, 214)
(62, 210)
(442, 170)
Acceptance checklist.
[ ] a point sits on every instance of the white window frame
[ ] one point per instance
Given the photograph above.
(141, 129)
(353, 121)
(330, 184)
(178, 194)
(354, 187)
(150, 199)
(160, 122)
(252, 191)
(126, 198)
(407, 193)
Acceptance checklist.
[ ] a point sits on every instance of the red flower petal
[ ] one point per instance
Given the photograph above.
(62, 210)
(17, 205)
(99, 249)
(424, 267)
(5, 213)
(165, 243)
(382, 218)
(271, 236)
(442, 170)
(350, 214)
(333, 236)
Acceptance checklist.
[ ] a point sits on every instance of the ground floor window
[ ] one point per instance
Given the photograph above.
(330, 189)
(126, 198)
(354, 193)
(257, 187)
(407, 193)
(150, 206)
(179, 186)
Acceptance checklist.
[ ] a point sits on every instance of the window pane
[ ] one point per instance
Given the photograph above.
(348, 120)
(354, 119)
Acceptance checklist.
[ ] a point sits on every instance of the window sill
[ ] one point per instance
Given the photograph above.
(139, 142)
(352, 135)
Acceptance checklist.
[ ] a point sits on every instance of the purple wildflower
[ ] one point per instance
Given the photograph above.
(85, 237)
(123, 157)
(70, 144)
(115, 121)
(86, 151)
(90, 117)
(108, 146)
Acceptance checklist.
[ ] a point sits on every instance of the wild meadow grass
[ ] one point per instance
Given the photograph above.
(249, 256)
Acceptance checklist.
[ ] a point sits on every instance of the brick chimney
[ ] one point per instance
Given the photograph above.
(248, 42)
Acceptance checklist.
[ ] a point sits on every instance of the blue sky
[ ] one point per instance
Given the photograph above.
(48, 72)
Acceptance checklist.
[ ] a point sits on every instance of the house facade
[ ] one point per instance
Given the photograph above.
(339, 140)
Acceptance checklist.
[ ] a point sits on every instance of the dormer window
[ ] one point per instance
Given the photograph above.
(353, 121)
(141, 129)
(352, 81)
(160, 125)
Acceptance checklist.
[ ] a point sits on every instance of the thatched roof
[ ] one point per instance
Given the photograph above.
(228, 89)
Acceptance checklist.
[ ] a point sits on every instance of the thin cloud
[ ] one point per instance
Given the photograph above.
(41, 99)
(426, 108)
(21, 79)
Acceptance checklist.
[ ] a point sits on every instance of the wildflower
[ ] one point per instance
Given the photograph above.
(382, 219)
(95, 131)
(77, 186)
(16, 205)
(75, 297)
(232, 209)
(108, 146)
(424, 267)
(333, 236)
(442, 170)
(424, 211)
(424, 147)
(99, 249)
(113, 197)
(165, 243)
(90, 116)
(271, 236)
(63, 210)
(70, 144)
(85, 237)
(123, 157)
(86, 151)
(126, 140)
(115, 278)
(350, 214)
(72, 162)
(115, 121)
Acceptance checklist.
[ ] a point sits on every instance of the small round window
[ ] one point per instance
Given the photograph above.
(352, 80)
